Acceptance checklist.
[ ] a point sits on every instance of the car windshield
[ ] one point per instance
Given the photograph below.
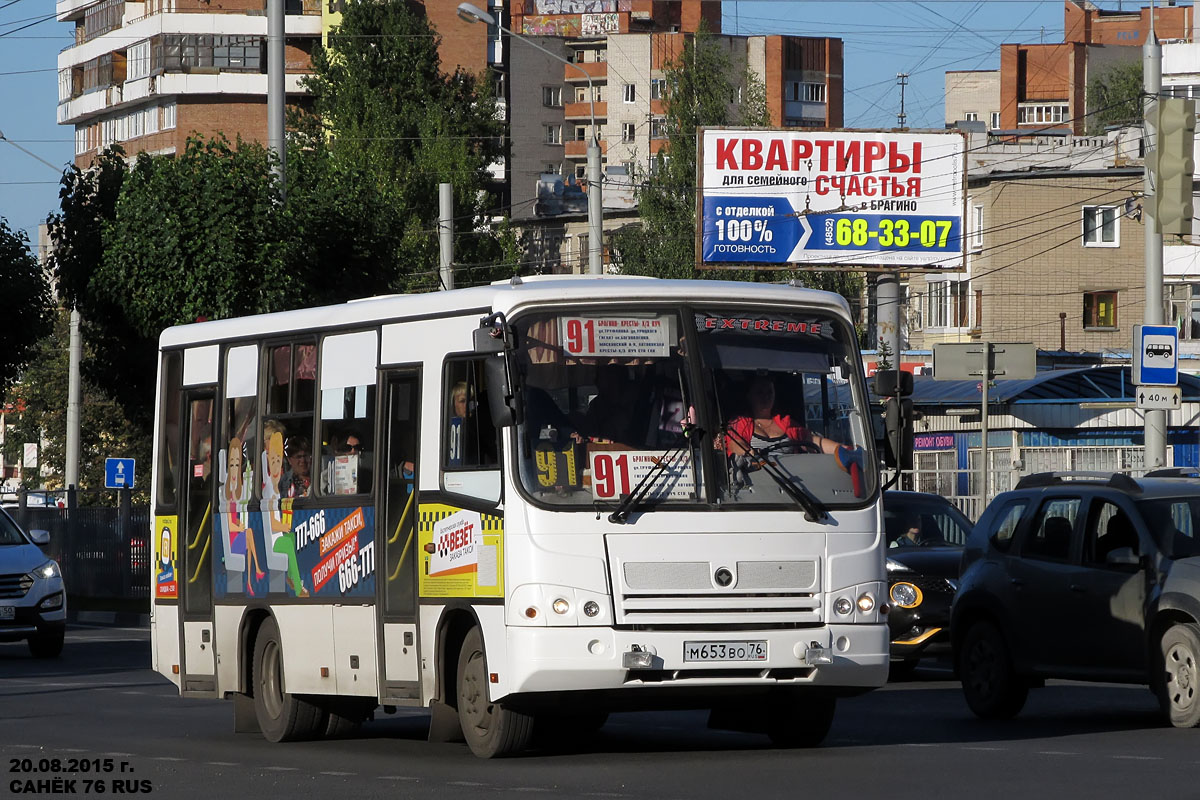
(10, 534)
(916, 521)
(1175, 524)
(659, 398)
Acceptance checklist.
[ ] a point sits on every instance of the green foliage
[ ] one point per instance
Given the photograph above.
(25, 304)
(701, 87)
(1114, 97)
(42, 397)
(397, 127)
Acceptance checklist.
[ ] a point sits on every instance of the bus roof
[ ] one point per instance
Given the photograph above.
(507, 296)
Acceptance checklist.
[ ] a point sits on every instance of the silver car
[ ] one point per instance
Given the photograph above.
(33, 598)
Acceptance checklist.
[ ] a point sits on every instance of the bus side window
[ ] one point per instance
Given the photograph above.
(346, 424)
(470, 442)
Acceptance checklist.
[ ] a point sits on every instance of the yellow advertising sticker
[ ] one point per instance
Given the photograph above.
(462, 552)
(166, 583)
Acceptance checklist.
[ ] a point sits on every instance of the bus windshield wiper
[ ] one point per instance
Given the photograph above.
(630, 501)
(814, 510)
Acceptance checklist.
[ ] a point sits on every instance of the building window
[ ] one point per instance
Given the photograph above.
(581, 133)
(168, 116)
(552, 169)
(552, 96)
(971, 116)
(976, 227)
(1101, 226)
(552, 134)
(806, 92)
(995, 120)
(139, 61)
(1041, 113)
(658, 88)
(658, 129)
(176, 52)
(628, 130)
(947, 304)
(629, 92)
(1099, 311)
(1184, 299)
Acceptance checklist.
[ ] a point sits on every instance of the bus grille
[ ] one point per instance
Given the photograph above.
(765, 594)
(13, 586)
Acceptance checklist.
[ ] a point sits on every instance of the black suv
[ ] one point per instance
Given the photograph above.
(1084, 576)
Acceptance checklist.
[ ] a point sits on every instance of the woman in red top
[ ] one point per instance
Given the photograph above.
(763, 428)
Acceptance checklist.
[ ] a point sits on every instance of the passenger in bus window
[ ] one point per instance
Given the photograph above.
(761, 429)
(350, 466)
(297, 480)
(612, 413)
(277, 509)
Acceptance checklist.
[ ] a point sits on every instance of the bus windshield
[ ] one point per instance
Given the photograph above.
(650, 402)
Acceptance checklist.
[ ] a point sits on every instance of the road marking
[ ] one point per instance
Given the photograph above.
(332, 772)
(1056, 753)
(396, 778)
(222, 763)
(167, 758)
(464, 783)
(987, 749)
(1138, 758)
(281, 769)
(132, 692)
(119, 755)
(527, 789)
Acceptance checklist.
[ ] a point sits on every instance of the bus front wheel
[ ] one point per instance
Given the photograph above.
(491, 730)
(282, 717)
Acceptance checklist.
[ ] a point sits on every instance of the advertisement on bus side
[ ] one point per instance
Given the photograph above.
(462, 552)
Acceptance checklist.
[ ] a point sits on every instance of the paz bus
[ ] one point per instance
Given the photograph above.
(521, 506)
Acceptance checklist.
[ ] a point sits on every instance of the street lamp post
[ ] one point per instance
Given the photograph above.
(471, 13)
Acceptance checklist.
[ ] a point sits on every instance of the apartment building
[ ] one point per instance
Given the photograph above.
(1044, 86)
(973, 95)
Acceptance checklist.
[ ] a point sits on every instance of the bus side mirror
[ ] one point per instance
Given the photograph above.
(502, 401)
(895, 386)
(893, 383)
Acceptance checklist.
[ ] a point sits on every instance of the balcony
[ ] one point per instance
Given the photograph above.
(583, 111)
(593, 69)
(577, 148)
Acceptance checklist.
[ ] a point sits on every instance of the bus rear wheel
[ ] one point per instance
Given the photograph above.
(282, 717)
(491, 730)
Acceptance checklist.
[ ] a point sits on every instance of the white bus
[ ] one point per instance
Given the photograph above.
(518, 505)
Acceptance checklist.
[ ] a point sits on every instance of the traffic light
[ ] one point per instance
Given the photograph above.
(1174, 165)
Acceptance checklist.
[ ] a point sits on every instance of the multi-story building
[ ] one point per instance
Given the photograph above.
(1054, 249)
(973, 95)
(1045, 85)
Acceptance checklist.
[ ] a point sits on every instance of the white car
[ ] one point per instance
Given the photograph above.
(33, 598)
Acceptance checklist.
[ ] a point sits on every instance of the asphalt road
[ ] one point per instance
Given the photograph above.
(911, 739)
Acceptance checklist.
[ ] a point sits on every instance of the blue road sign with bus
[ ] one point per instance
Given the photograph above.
(1155, 355)
(118, 473)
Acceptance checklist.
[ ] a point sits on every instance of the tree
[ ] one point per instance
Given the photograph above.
(397, 126)
(701, 90)
(1114, 97)
(25, 304)
(41, 397)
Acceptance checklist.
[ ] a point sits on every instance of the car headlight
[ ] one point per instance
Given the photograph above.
(48, 570)
(895, 566)
(905, 595)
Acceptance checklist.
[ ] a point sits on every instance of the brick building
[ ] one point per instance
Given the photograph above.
(1055, 257)
(1045, 85)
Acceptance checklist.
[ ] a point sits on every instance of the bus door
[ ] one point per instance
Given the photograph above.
(195, 548)
(397, 585)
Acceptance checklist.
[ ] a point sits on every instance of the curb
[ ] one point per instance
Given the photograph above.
(123, 619)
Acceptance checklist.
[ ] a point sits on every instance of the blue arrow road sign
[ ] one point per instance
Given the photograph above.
(118, 473)
(1155, 355)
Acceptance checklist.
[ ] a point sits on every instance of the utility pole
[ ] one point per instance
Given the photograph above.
(446, 233)
(902, 118)
(276, 91)
(1155, 435)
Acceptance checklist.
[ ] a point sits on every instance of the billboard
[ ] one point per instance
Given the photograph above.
(855, 199)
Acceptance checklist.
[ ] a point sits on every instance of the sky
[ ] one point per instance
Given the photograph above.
(881, 38)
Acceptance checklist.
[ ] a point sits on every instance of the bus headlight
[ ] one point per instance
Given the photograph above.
(561, 606)
(866, 603)
(541, 605)
(843, 606)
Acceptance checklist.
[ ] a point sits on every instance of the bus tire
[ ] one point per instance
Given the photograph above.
(346, 716)
(282, 717)
(490, 729)
(802, 720)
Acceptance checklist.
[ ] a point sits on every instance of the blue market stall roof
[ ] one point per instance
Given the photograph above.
(1093, 384)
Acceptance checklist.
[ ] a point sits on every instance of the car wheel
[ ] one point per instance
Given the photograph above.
(990, 683)
(48, 644)
(1178, 681)
(803, 720)
(491, 730)
(282, 717)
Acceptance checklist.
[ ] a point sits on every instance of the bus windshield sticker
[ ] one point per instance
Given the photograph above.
(615, 336)
(764, 325)
(615, 473)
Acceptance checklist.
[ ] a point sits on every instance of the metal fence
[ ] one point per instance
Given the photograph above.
(104, 552)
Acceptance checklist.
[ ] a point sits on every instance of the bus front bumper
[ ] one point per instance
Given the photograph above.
(853, 657)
